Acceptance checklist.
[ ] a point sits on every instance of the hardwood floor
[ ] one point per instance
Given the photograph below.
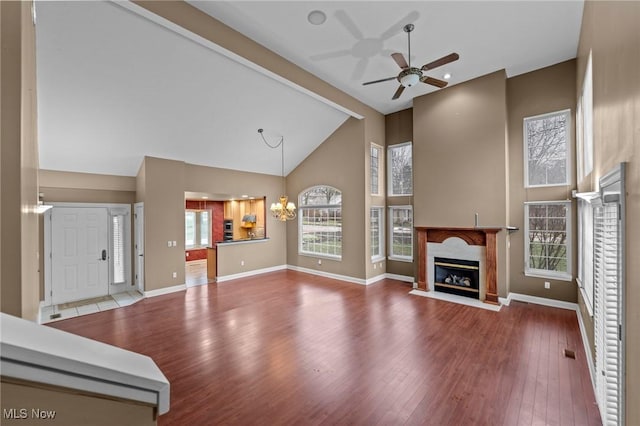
(292, 348)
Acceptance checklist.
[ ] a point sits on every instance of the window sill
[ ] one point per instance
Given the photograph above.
(587, 302)
(549, 276)
(401, 259)
(377, 259)
(400, 195)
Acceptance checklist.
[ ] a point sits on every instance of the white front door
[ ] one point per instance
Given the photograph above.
(139, 246)
(79, 255)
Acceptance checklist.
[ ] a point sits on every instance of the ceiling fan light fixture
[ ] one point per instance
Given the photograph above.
(316, 17)
(409, 80)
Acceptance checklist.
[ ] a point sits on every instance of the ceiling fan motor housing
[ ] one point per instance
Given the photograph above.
(410, 76)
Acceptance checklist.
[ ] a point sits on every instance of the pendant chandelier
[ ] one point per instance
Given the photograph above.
(283, 209)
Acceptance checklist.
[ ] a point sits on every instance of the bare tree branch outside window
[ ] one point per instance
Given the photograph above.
(546, 144)
(547, 225)
(401, 169)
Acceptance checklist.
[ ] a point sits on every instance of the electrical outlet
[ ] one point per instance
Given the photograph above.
(175, 275)
(168, 243)
(319, 261)
(547, 284)
(374, 266)
(242, 263)
(173, 243)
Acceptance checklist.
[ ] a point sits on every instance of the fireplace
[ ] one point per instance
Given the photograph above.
(457, 276)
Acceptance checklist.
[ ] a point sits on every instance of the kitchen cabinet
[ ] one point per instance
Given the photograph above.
(237, 209)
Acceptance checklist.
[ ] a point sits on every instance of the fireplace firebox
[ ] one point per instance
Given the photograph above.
(457, 276)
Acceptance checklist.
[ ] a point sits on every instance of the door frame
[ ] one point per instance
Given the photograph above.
(47, 241)
(138, 235)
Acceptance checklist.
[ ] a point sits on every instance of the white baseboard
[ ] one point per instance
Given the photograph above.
(223, 278)
(405, 278)
(456, 299)
(375, 279)
(540, 301)
(328, 275)
(165, 290)
(40, 306)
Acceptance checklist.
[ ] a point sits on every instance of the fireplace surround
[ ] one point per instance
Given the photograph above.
(483, 237)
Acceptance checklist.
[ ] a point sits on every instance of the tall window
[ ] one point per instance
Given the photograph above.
(546, 139)
(377, 233)
(376, 171)
(197, 228)
(548, 239)
(118, 249)
(320, 222)
(585, 252)
(401, 224)
(400, 169)
(584, 126)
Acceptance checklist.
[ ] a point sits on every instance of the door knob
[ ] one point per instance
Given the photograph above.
(104, 255)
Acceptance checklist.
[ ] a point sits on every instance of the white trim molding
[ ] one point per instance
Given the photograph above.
(405, 278)
(328, 275)
(165, 290)
(223, 278)
(539, 301)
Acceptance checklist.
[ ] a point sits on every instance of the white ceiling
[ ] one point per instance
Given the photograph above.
(114, 86)
(519, 36)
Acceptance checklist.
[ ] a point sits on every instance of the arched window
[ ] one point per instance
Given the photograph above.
(320, 222)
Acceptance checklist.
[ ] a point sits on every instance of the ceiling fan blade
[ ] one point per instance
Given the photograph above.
(397, 27)
(344, 19)
(398, 92)
(379, 81)
(434, 82)
(399, 58)
(439, 62)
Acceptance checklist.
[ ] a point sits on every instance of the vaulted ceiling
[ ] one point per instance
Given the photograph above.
(114, 86)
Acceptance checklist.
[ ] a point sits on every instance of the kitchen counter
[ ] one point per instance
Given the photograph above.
(241, 241)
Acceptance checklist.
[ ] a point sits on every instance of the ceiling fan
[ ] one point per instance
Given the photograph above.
(410, 76)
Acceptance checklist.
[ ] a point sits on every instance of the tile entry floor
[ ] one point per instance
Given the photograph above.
(60, 312)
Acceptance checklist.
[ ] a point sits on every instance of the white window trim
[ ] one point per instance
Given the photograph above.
(319, 206)
(390, 239)
(197, 234)
(567, 181)
(541, 273)
(380, 256)
(390, 169)
(381, 162)
(584, 125)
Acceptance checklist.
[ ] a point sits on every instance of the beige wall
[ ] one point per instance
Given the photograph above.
(164, 184)
(546, 90)
(611, 31)
(19, 163)
(70, 407)
(271, 253)
(336, 163)
(398, 129)
(460, 159)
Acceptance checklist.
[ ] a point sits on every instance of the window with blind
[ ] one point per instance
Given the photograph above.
(118, 264)
(609, 285)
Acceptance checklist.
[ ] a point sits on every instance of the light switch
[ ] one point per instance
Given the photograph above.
(168, 243)
(173, 243)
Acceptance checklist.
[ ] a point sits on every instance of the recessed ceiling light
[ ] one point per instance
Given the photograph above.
(316, 17)
(245, 196)
(447, 76)
(205, 197)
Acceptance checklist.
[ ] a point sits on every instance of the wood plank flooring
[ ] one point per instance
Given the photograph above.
(292, 348)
